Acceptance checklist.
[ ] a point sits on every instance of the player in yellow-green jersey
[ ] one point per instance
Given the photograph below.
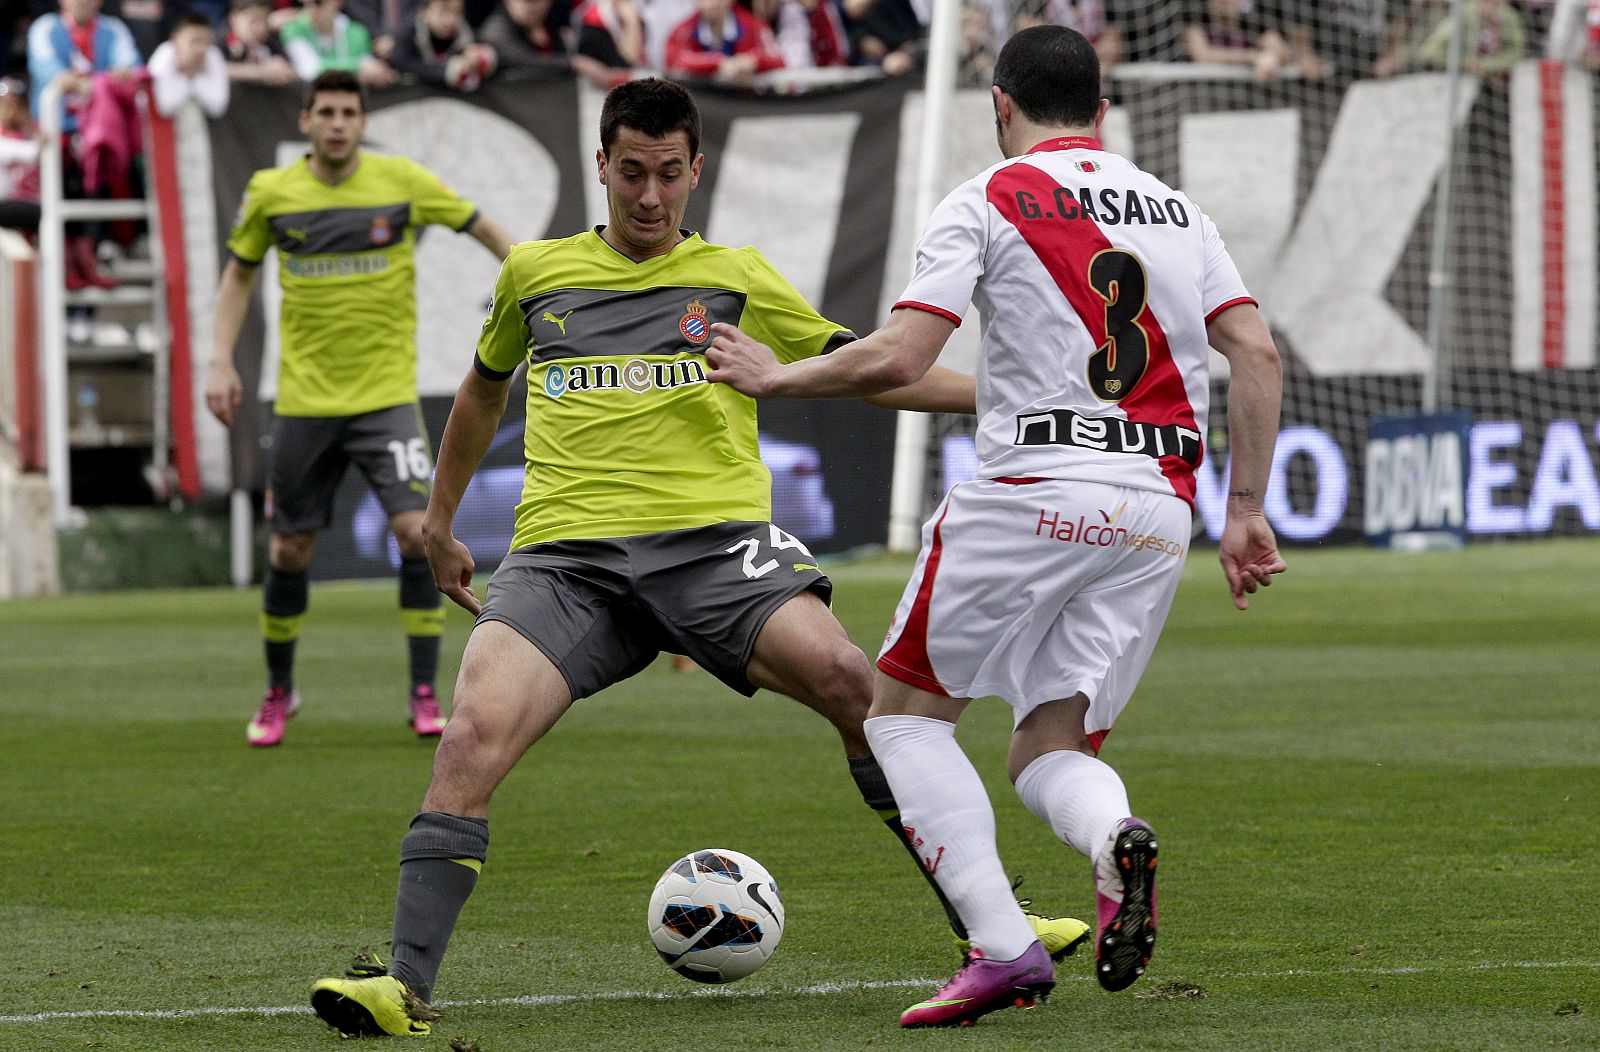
(644, 526)
(344, 223)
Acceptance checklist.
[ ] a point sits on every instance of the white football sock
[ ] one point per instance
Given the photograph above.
(1080, 797)
(944, 806)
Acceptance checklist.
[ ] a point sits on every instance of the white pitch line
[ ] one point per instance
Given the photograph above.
(548, 1000)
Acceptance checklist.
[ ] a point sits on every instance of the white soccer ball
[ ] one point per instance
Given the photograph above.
(715, 916)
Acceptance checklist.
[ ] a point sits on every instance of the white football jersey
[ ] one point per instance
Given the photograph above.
(1094, 282)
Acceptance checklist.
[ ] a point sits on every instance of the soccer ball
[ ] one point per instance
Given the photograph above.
(715, 916)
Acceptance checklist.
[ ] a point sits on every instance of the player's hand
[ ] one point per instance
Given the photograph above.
(452, 565)
(740, 361)
(1249, 554)
(224, 392)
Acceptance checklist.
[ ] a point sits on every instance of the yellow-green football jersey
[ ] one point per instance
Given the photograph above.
(625, 435)
(348, 325)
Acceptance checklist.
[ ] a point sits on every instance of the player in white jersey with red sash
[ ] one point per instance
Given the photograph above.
(1046, 580)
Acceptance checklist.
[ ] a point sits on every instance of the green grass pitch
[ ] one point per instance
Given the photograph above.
(1377, 793)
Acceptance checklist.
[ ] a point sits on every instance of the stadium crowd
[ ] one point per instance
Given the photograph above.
(100, 50)
(459, 43)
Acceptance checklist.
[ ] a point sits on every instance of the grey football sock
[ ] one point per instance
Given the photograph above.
(439, 862)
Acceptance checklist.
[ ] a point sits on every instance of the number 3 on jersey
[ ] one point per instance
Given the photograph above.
(778, 541)
(1118, 278)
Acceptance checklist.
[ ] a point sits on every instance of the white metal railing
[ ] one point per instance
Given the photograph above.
(53, 308)
(56, 211)
(12, 247)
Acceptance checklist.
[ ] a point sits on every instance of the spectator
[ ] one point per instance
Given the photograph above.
(216, 12)
(1536, 18)
(722, 41)
(612, 33)
(1495, 40)
(20, 144)
(1086, 16)
(1349, 39)
(283, 12)
(71, 46)
(811, 33)
(13, 14)
(251, 48)
(1146, 38)
(978, 49)
(323, 37)
(190, 66)
(92, 57)
(661, 18)
(1235, 33)
(529, 34)
(886, 33)
(440, 48)
(74, 49)
(536, 36)
(150, 21)
(1575, 33)
(384, 20)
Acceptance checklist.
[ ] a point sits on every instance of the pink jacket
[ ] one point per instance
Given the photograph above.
(110, 136)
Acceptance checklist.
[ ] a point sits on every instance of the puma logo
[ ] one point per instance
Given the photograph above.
(561, 322)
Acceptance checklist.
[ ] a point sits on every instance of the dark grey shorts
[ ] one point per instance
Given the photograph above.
(307, 457)
(602, 610)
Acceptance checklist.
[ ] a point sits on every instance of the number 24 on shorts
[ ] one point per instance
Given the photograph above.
(778, 541)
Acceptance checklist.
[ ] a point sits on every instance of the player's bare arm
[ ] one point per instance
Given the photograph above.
(940, 390)
(897, 355)
(224, 391)
(1248, 549)
(479, 405)
(492, 236)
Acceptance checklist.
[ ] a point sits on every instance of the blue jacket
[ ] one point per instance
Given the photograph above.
(51, 53)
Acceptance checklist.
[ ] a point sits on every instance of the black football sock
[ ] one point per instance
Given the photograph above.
(439, 862)
(422, 612)
(284, 597)
(875, 791)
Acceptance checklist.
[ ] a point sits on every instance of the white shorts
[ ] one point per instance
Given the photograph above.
(1038, 589)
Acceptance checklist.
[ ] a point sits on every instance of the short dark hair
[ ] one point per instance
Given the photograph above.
(1052, 74)
(245, 5)
(334, 80)
(652, 107)
(192, 18)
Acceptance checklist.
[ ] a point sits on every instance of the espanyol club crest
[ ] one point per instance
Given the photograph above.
(1087, 166)
(694, 325)
(382, 233)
